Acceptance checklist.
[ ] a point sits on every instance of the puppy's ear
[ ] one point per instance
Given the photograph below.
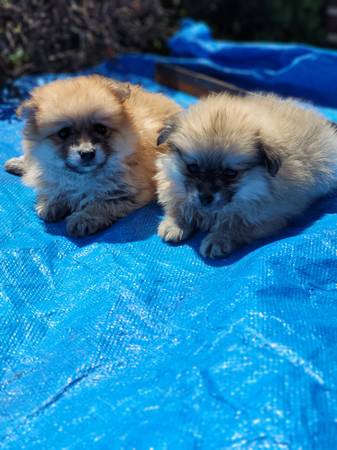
(269, 157)
(163, 135)
(27, 109)
(170, 126)
(121, 90)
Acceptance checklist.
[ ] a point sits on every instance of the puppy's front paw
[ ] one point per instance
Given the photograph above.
(169, 231)
(215, 246)
(51, 212)
(79, 225)
(15, 166)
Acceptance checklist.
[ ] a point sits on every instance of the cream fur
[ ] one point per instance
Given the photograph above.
(234, 127)
(121, 179)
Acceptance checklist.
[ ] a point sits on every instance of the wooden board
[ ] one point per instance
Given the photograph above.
(191, 82)
(195, 83)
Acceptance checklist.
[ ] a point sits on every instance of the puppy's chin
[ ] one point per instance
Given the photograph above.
(83, 169)
(214, 208)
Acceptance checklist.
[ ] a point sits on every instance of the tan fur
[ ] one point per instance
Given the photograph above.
(285, 156)
(93, 200)
(15, 166)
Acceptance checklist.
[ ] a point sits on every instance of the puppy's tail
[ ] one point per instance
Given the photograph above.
(15, 166)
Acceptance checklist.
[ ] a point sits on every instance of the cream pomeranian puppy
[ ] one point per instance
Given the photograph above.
(240, 167)
(89, 149)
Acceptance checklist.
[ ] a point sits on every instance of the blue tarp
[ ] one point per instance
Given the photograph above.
(121, 341)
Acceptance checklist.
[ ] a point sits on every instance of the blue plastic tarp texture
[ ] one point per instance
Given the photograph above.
(121, 341)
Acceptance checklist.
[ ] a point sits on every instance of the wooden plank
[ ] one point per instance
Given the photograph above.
(197, 84)
(191, 82)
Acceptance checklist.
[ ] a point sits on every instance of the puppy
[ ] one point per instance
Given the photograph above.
(89, 150)
(241, 167)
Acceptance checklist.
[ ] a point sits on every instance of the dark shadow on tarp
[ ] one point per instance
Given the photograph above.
(326, 205)
(128, 229)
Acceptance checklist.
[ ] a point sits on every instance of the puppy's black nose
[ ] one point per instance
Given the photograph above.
(206, 199)
(87, 155)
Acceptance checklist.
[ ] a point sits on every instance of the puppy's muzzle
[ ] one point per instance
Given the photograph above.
(87, 155)
(206, 198)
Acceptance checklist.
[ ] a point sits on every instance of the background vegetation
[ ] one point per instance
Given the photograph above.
(46, 36)
(274, 20)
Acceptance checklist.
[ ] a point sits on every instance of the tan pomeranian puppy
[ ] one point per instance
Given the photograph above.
(240, 167)
(89, 149)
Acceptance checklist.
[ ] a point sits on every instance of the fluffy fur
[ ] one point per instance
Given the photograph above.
(89, 150)
(240, 167)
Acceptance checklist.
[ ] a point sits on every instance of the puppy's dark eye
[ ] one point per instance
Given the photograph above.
(193, 168)
(64, 133)
(230, 173)
(100, 129)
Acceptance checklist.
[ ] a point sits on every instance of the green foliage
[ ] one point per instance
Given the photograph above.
(63, 35)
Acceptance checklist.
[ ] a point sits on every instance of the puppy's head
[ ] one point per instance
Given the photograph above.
(217, 154)
(76, 123)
